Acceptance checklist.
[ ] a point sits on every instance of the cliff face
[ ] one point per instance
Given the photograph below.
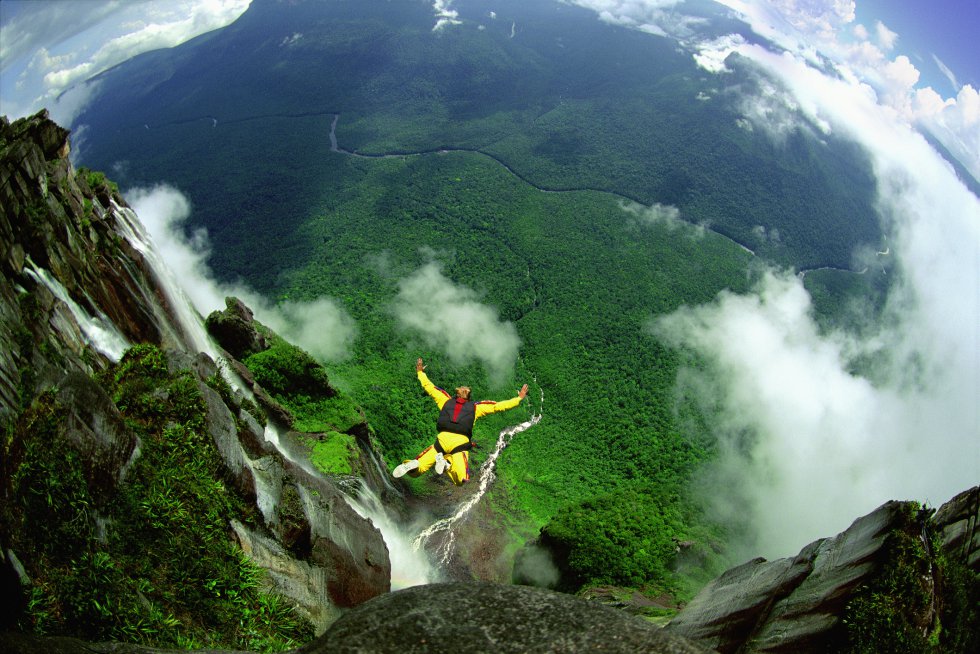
(61, 245)
(899, 575)
(81, 286)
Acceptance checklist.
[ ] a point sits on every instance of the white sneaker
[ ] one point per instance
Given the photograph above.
(405, 467)
(441, 463)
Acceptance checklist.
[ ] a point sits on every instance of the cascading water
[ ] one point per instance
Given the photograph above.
(187, 318)
(410, 566)
(487, 475)
(98, 330)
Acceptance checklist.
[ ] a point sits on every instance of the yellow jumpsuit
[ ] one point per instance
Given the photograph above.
(459, 463)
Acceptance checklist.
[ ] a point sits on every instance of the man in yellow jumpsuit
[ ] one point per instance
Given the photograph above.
(455, 424)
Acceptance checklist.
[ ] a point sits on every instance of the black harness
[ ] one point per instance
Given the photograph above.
(457, 417)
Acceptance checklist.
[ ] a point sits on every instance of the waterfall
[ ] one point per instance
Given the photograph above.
(98, 330)
(410, 566)
(188, 320)
(487, 475)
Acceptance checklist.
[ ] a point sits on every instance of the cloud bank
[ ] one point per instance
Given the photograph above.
(451, 319)
(808, 442)
(321, 327)
(822, 33)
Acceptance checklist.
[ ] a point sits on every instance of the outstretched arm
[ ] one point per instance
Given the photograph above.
(486, 408)
(436, 393)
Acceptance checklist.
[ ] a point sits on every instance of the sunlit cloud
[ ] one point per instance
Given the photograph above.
(452, 319)
(321, 326)
(808, 27)
(52, 46)
(886, 37)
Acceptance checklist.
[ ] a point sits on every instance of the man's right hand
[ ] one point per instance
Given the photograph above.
(418, 365)
(521, 393)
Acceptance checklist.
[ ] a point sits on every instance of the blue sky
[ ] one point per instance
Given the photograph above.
(48, 46)
(948, 29)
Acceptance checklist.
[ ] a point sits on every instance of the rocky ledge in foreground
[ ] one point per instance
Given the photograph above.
(898, 574)
(484, 617)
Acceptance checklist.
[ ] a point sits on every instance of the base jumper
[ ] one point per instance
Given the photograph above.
(455, 425)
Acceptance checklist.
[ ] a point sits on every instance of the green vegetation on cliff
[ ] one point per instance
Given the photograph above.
(152, 562)
(920, 602)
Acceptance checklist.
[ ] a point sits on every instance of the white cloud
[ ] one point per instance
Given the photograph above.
(947, 73)
(48, 47)
(652, 16)
(321, 327)
(809, 443)
(886, 37)
(711, 55)
(811, 29)
(445, 14)
(791, 417)
(450, 318)
(657, 214)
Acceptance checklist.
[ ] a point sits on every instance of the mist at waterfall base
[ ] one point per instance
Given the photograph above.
(815, 428)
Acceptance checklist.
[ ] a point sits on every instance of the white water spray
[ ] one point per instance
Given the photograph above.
(410, 566)
(98, 330)
(188, 320)
(487, 475)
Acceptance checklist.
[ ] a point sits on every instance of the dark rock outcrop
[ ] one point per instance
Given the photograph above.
(796, 604)
(93, 426)
(482, 617)
(318, 551)
(958, 522)
(234, 330)
(75, 280)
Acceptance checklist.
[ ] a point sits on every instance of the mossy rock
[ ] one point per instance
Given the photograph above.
(333, 453)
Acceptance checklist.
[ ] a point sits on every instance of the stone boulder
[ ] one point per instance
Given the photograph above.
(93, 426)
(234, 329)
(484, 617)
